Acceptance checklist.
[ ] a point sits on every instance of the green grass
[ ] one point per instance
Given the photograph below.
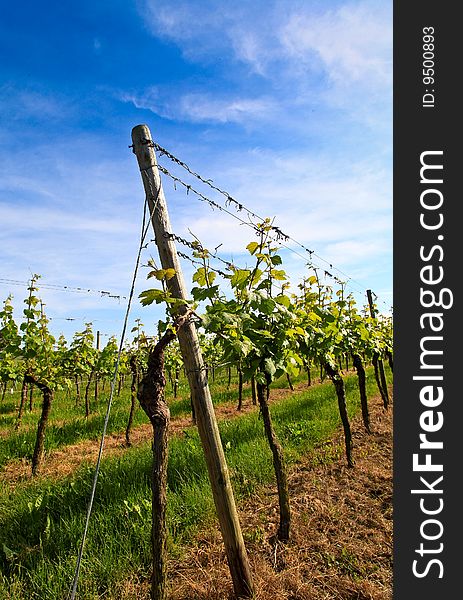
(68, 425)
(41, 521)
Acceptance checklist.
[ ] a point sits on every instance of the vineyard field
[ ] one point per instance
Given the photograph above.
(113, 458)
(48, 511)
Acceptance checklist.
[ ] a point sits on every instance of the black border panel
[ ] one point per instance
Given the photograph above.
(428, 397)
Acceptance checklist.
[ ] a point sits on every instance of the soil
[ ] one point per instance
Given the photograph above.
(341, 532)
(341, 536)
(63, 462)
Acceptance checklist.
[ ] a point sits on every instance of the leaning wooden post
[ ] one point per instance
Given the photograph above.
(384, 391)
(196, 372)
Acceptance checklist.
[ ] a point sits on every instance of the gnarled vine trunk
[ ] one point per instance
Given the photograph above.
(390, 360)
(380, 379)
(309, 375)
(253, 390)
(87, 391)
(290, 383)
(240, 389)
(47, 394)
(177, 377)
(31, 398)
(338, 383)
(152, 400)
(263, 391)
(358, 364)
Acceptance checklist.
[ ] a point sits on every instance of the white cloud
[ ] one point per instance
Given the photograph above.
(202, 107)
(353, 40)
(354, 43)
(328, 58)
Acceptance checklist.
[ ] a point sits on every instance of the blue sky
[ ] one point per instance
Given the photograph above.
(287, 105)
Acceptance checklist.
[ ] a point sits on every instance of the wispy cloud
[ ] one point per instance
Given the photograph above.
(285, 103)
(33, 103)
(202, 107)
(353, 43)
(308, 56)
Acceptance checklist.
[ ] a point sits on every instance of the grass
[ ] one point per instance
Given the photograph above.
(42, 521)
(68, 425)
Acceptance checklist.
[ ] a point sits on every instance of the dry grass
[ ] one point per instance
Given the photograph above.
(64, 462)
(341, 538)
(341, 544)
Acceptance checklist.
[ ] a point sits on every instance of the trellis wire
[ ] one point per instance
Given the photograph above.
(144, 231)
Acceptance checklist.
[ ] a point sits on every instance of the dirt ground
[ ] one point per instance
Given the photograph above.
(341, 532)
(65, 461)
(341, 537)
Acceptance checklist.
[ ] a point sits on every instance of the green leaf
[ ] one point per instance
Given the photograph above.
(242, 347)
(158, 273)
(252, 247)
(149, 296)
(278, 274)
(162, 274)
(256, 276)
(230, 319)
(283, 300)
(47, 529)
(276, 260)
(269, 367)
(292, 369)
(240, 277)
(201, 294)
(364, 334)
(265, 334)
(267, 305)
(200, 277)
(169, 273)
(319, 312)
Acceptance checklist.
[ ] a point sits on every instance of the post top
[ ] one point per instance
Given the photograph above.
(142, 146)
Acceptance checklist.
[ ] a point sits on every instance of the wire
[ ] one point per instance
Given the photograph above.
(279, 234)
(144, 231)
(65, 288)
(240, 206)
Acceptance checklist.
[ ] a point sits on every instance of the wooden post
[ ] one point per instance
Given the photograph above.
(380, 360)
(195, 369)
